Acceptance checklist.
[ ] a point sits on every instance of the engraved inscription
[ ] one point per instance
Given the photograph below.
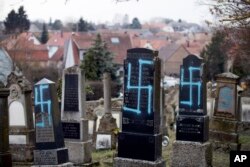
(71, 93)
(45, 157)
(71, 130)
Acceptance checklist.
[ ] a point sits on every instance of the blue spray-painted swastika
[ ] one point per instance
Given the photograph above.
(139, 87)
(190, 83)
(45, 106)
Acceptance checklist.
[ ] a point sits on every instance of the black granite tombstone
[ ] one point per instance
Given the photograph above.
(50, 148)
(71, 93)
(141, 138)
(192, 122)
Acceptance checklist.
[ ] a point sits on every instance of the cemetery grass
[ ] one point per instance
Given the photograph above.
(105, 157)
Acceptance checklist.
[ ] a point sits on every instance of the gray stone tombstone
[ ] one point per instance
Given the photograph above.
(75, 124)
(49, 146)
(21, 131)
(140, 142)
(6, 66)
(223, 124)
(191, 147)
(107, 122)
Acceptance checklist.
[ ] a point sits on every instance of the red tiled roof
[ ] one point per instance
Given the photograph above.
(120, 48)
(31, 55)
(58, 55)
(84, 40)
(58, 38)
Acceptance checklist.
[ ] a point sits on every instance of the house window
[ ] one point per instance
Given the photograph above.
(115, 40)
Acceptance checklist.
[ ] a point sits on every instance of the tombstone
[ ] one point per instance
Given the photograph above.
(245, 104)
(73, 115)
(192, 121)
(21, 131)
(6, 66)
(139, 143)
(223, 124)
(49, 146)
(210, 100)
(107, 123)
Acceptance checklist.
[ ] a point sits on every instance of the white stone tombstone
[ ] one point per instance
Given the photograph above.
(245, 109)
(21, 122)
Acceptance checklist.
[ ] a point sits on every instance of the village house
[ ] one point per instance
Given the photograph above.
(172, 58)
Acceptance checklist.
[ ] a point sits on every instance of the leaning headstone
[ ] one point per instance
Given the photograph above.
(21, 131)
(75, 125)
(49, 146)
(223, 124)
(107, 124)
(140, 142)
(191, 147)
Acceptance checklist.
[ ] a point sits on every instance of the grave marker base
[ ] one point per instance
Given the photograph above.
(51, 157)
(79, 152)
(192, 128)
(223, 134)
(186, 153)
(22, 153)
(127, 162)
(139, 146)
(68, 164)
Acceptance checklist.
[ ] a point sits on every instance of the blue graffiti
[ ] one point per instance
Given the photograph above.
(190, 83)
(139, 87)
(43, 105)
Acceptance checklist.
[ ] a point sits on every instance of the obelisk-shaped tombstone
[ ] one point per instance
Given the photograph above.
(5, 155)
(49, 145)
(192, 121)
(75, 125)
(140, 142)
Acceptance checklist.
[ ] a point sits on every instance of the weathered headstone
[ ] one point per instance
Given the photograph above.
(223, 124)
(50, 149)
(107, 122)
(75, 125)
(21, 131)
(139, 143)
(192, 121)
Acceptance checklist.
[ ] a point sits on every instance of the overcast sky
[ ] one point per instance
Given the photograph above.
(100, 11)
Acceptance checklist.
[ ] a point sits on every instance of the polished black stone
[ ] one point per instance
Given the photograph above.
(49, 133)
(71, 130)
(71, 100)
(139, 146)
(138, 111)
(192, 128)
(192, 87)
